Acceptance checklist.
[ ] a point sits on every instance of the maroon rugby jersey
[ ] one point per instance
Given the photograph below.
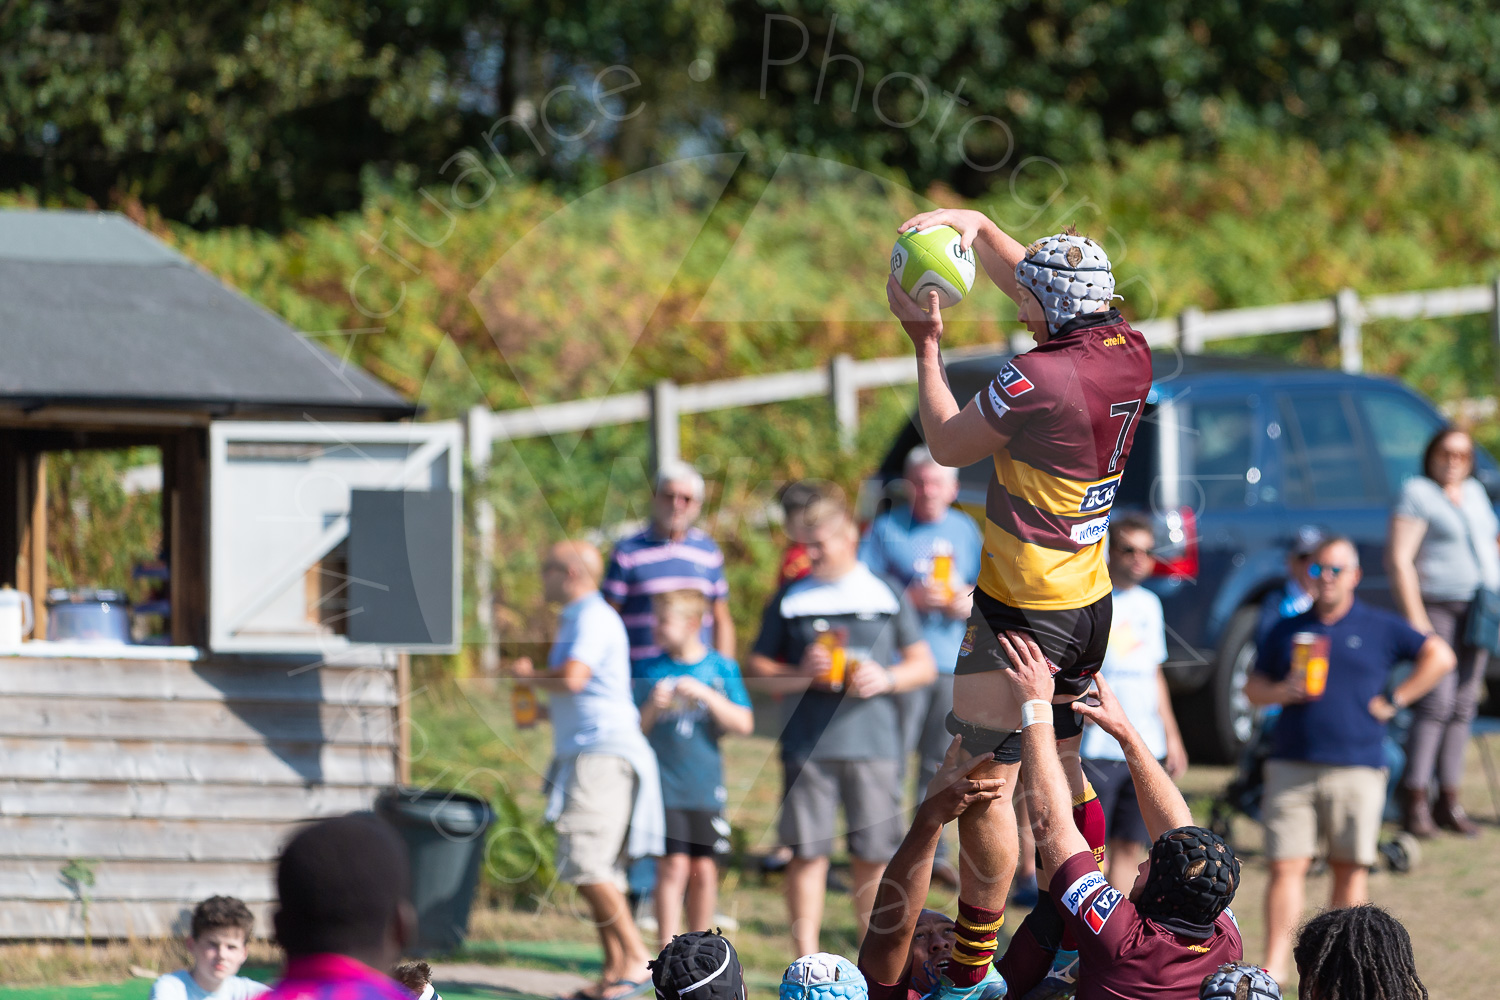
(1125, 956)
(1070, 408)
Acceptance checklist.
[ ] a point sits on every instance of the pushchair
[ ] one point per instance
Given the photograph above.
(1242, 795)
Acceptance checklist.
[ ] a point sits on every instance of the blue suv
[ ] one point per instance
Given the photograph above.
(1232, 456)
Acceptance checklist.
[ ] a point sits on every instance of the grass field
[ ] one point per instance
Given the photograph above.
(463, 736)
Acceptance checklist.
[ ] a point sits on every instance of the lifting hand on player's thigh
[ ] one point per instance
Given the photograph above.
(954, 788)
(1032, 677)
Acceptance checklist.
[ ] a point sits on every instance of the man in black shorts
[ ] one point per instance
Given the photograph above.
(1058, 422)
(1175, 927)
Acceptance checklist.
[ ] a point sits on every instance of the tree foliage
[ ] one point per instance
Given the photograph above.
(267, 111)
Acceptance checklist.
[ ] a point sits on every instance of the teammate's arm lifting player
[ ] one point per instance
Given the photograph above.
(1162, 805)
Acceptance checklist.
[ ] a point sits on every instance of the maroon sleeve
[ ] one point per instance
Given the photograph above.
(1097, 914)
(882, 991)
(1011, 399)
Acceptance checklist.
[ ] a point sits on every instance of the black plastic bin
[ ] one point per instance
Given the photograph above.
(445, 835)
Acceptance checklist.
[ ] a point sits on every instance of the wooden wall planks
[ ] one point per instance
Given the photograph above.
(178, 780)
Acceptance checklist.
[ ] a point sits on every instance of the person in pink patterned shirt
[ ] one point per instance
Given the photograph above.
(345, 911)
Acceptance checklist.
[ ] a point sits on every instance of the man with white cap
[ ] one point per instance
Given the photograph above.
(1058, 423)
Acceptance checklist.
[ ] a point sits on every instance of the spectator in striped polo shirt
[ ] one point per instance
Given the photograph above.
(671, 554)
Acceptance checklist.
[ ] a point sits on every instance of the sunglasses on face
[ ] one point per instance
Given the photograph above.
(1317, 570)
(1131, 550)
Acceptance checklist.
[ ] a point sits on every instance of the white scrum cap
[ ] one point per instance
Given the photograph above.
(1069, 275)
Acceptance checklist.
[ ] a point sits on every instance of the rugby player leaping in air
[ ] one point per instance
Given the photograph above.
(1058, 422)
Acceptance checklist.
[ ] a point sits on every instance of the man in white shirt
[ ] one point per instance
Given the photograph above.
(1132, 666)
(605, 792)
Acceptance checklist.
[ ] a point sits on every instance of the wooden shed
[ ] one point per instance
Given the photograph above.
(309, 539)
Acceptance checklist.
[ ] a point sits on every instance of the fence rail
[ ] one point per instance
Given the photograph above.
(664, 404)
(843, 378)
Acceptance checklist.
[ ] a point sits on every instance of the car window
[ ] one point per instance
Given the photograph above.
(1219, 439)
(1321, 451)
(1401, 428)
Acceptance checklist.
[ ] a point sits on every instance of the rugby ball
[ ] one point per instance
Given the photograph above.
(931, 258)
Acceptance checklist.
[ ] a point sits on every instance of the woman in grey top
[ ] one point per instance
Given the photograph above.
(1443, 548)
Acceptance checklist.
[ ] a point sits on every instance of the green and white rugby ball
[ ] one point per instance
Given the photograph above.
(931, 258)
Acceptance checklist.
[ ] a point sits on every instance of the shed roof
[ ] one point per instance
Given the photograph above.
(96, 311)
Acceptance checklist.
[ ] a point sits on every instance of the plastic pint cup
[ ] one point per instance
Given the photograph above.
(1310, 662)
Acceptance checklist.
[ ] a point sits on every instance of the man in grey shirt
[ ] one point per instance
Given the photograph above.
(840, 740)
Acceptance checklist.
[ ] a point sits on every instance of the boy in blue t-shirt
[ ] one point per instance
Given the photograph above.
(688, 697)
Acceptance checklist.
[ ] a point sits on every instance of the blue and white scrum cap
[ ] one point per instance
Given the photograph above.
(823, 977)
(1070, 276)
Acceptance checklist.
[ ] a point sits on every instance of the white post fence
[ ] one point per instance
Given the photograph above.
(665, 403)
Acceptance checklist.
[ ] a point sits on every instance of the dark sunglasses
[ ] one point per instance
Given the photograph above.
(1131, 550)
(1319, 569)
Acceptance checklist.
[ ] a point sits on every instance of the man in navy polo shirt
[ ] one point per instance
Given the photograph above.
(1326, 775)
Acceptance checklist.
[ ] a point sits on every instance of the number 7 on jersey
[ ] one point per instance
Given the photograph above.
(1128, 410)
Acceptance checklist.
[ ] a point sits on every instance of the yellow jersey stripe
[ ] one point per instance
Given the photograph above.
(1042, 490)
(1052, 579)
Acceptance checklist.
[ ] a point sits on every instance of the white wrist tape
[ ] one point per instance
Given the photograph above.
(1036, 711)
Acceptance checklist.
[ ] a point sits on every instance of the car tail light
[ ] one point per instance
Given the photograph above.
(1182, 543)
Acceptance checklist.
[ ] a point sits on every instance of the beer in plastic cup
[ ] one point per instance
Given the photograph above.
(942, 573)
(833, 640)
(523, 706)
(1310, 663)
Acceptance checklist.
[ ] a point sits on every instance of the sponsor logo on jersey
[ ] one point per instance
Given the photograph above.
(1000, 405)
(1098, 915)
(1080, 890)
(1100, 496)
(1118, 340)
(967, 646)
(1090, 532)
(1013, 382)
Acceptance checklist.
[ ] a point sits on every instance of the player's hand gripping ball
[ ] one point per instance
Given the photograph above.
(931, 258)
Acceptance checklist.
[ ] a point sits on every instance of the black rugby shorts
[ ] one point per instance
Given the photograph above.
(1074, 639)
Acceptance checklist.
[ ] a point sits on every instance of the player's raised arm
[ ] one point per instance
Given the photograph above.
(1162, 805)
(1049, 800)
(956, 436)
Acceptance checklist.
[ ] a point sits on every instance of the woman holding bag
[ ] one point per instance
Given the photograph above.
(1444, 563)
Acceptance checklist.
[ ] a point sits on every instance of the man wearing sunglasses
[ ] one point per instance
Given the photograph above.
(1325, 779)
(672, 553)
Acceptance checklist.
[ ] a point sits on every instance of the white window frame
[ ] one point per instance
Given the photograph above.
(432, 439)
